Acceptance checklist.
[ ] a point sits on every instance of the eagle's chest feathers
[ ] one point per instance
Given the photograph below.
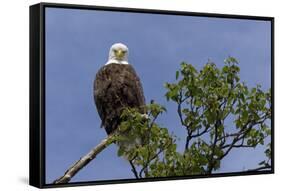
(116, 80)
(116, 87)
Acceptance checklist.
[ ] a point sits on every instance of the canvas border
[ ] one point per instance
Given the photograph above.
(37, 163)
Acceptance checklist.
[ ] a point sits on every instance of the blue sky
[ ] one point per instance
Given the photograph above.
(77, 45)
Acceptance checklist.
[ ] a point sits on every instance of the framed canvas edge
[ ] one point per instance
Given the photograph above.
(37, 94)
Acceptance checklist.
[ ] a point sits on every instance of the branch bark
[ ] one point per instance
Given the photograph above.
(82, 162)
(261, 168)
(134, 170)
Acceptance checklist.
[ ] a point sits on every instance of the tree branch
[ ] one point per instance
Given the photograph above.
(146, 165)
(161, 149)
(134, 170)
(207, 128)
(179, 109)
(82, 162)
(261, 168)
(211, 160)
(188, 138)
(244, 131)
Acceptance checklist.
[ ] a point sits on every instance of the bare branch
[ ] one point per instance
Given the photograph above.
(207, 129)
(267, 167)
(211, 161)
(82, 162)
(244, 131)
(134, 170)
(179, 109)
(237, 146)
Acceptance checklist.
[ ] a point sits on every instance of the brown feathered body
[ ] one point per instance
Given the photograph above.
(117, 86)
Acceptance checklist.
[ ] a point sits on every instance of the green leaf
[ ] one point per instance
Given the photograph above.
(177, 74)
(206, 97)
(197, 102)
(120, 152)
(244, 115)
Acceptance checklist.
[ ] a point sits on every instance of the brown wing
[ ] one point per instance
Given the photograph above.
(116, 87)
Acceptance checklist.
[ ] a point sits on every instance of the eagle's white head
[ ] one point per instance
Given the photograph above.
(118, 54)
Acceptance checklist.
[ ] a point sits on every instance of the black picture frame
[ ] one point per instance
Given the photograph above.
(37, 92)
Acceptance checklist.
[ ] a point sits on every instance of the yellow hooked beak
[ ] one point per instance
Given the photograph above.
(119, 54)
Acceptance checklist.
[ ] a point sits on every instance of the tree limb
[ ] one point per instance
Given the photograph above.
(161, 149)
(134, 170)
(261, 168)
(82, 162)
(146, 165)
(211, 160)
(179, 109)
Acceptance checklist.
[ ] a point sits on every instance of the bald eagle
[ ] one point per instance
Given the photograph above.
(117, 86)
